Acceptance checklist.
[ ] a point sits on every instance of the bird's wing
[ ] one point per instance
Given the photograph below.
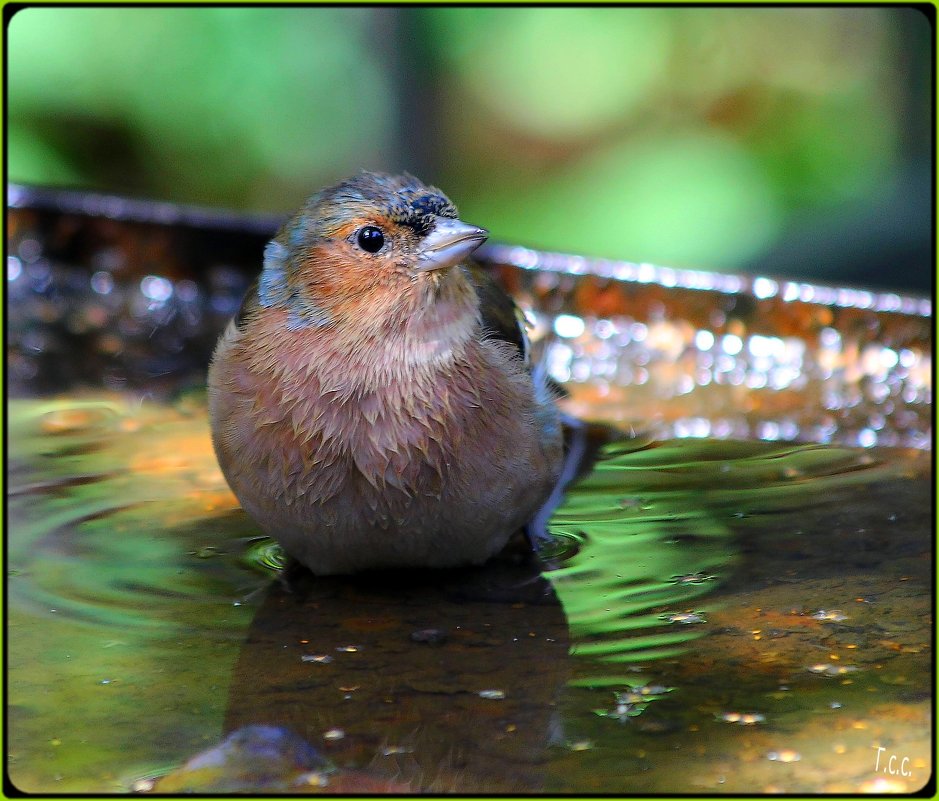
(248, 305)
(502, 318)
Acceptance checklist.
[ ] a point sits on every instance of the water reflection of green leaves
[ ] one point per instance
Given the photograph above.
(114, 510)
(123, 589)
(654, 525)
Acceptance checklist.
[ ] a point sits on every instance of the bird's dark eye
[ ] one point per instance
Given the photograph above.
(370, 238)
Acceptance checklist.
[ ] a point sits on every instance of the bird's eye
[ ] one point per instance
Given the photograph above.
(370, 239)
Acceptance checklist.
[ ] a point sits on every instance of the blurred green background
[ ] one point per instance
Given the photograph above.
(794, 141)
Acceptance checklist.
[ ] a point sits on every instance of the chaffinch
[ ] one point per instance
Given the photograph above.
(372, 403)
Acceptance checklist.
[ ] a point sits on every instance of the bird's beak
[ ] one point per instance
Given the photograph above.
(448, 243)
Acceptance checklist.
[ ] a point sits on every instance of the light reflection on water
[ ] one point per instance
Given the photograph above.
(868, 395)
(143, 623)
(684, 353)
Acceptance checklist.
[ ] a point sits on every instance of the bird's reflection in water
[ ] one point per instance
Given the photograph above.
(435, 679)
(461, 680)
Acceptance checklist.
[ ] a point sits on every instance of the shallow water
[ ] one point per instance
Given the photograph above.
(714, 617)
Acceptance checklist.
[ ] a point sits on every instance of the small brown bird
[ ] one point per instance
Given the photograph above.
(371, 404)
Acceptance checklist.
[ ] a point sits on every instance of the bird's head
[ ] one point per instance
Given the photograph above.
(373, 245)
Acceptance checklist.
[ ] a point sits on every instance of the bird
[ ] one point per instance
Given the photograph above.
(373, 403)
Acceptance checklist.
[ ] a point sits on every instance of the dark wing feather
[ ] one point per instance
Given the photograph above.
(248, 305)
(502, 319)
